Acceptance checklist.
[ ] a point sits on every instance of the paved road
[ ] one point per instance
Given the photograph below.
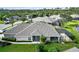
(2, 26)
(74, 49)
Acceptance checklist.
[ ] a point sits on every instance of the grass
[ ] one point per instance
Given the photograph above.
(71, 23)
(19, 48)
(70, 26)
(1, 22)
(51, 47)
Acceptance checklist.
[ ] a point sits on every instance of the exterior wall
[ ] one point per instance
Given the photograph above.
(23, 39)
(53, 39)
(47, 38)
(65, 38)
(29, 38)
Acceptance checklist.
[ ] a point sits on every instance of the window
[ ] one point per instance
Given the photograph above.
(29, 38)
(54, 39)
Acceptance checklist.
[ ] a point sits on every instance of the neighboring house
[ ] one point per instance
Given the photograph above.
(42, 19)
(33, 32)
(7, 20)
(65, 35)
(56, 19)
(75, 16)
(16, 17)
(52, 20)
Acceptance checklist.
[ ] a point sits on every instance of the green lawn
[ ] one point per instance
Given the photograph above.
(19, 48)
(71, 23)
(70, 26)
(51, 47)
(1, 22)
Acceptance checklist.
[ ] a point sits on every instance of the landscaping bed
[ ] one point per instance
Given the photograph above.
(55, 47)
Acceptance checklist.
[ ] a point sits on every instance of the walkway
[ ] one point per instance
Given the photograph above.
(74, 49)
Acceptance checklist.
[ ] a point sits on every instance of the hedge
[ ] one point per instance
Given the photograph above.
(9, 39)
(54, 47)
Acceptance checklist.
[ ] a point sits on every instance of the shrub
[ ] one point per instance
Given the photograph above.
(52, 49)
(57, 47)
(9, 39)
(41, 48)
(43, 39)
(23, 41)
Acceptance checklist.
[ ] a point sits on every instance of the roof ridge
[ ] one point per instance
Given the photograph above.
(35, 31)
(25, 28)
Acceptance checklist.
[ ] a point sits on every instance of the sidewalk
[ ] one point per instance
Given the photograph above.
(74, 49)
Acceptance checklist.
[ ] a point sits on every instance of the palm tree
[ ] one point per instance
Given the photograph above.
(12, 22)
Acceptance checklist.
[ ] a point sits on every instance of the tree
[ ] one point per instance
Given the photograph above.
(41, 48)
(12, 22)
(23, 19)
(65, 18)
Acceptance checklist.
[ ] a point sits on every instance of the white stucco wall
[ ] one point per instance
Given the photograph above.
(22, 39)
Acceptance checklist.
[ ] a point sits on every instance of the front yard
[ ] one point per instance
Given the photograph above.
(50, 47)
(19, 48)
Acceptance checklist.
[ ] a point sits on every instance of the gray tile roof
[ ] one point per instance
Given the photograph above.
(50, 19)
(39, 28)
(43, 19)
(16, 29)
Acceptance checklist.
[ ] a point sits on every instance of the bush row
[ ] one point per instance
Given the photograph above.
(54, 47)
(9, 39)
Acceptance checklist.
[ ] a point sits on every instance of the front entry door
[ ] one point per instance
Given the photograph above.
(36, 38)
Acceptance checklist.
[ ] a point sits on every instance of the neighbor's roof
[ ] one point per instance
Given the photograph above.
(74, 15)
(55, 17)
(46, 19)
(43, 19)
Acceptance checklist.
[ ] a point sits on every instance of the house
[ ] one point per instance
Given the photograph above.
(56, 19)
(51, 20)
(42, 19)
(33, 32)
(64, 34)
(16, 17)
(75, 16)
(7, 20)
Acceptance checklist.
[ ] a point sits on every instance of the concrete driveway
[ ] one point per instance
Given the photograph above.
(74, 49)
